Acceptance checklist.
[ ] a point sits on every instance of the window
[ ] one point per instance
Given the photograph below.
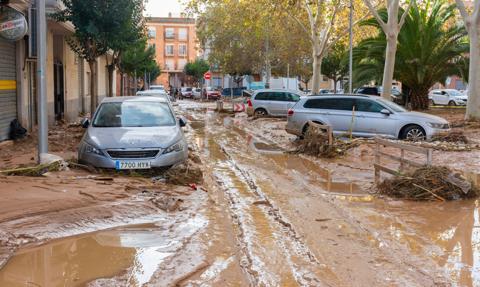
(182, 50)
(152, 32)
(262, 96)
(169, 33)
(368, 106)
(182, 34)
(134, 114)
(169, 50)
(182, 63)
(170, 64)
(342, 104)
(293, 97)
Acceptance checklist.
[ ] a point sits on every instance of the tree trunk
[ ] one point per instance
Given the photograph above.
(93, 88)
(419, 99)
(389, 65)
(317, 73)
(111, 70)
(473, 104)
(122, 84)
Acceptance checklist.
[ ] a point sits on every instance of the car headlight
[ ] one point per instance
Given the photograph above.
(174, 148)
(91, 149)
(439, 126)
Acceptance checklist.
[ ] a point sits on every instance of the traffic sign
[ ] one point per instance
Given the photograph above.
(207, 75)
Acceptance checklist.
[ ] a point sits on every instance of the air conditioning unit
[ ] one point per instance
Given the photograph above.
(32, 32)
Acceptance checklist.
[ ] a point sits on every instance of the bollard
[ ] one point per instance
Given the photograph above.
(219, 105)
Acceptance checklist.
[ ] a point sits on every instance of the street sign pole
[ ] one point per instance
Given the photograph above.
(41, 80)
(350, 56)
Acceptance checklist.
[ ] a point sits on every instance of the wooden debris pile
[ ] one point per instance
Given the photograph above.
(318, 141)
(430, 184)
(455, 136)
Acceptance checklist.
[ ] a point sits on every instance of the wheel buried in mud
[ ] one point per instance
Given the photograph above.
(452, 104)
(260, 113)
(431, 103)
(414, 133)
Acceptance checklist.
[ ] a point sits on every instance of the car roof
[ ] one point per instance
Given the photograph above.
(323, 96)
(134, 99)
(276, 90)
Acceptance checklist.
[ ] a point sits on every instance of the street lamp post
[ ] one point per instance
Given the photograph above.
(41, 80)
(350, 56)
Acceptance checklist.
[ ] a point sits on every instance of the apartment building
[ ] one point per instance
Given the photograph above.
(67, 76)
(175, 42)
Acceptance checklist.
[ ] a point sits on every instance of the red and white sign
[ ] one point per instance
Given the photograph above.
(207, 75)
(239, 107)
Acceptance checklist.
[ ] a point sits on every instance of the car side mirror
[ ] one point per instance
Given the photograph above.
(182, 121)
(85, 123)
(385, 112)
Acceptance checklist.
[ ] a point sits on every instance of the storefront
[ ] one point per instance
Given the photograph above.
(8, 87)
(13, 27)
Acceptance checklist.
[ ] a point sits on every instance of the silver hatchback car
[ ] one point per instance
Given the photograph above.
(365, 116)
(133, 133)
(272, 102)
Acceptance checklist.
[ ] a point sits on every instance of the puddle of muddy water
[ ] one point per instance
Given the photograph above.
(135, 252)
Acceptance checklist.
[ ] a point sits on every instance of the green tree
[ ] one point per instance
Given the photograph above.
(334, 65)
(139, 59)
(88, 41)
(427, 52)
(126, 27)
(197, 69)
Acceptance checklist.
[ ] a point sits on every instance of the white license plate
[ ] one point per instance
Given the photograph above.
(132, 164)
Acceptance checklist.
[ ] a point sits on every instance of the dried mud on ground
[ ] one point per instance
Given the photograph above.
(244, 211)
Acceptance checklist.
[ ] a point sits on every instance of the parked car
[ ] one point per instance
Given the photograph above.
(324, 91)
(186, 92)
(133, 133)
(374, 91)
(373, 116)
(155, 93)
(197, 93)
(448, 97)
(237, 92)
(211, 93)
(271, 102)
(157, 87)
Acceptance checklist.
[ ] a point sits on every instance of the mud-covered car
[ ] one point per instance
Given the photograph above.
(133, 133)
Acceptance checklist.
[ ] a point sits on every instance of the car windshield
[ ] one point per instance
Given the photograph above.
(455, 93)
(391, 105)
(134, 114)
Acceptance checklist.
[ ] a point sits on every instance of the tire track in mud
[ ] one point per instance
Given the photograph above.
(269, 242)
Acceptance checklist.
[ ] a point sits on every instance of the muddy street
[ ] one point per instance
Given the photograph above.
(261, 216)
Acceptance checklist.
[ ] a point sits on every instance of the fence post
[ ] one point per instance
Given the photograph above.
(377, 161)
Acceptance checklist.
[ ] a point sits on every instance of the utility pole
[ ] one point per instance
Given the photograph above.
(41, 79)
(288, 76)
(350, 56)
(267, 60)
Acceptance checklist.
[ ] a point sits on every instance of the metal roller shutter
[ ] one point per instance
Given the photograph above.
(8, 94)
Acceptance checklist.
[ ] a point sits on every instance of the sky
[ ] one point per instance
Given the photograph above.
(161, 8)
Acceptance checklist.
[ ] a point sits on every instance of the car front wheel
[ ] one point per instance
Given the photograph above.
(414, 133)
(260, 113)
(452, 103)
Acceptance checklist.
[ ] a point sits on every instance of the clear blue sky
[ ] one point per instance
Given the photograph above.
(161, 8)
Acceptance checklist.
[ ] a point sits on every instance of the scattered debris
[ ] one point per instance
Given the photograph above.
(38, 170)
(455, 136)
(429, 183)
(185, 174)
(166, 203)
(316, 143)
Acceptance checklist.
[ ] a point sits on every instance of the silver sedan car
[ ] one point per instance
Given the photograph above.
(133, 133)
(364, 116)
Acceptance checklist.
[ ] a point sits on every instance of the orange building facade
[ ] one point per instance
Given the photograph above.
(175, 45)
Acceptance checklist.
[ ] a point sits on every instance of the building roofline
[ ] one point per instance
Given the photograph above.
(175, 20)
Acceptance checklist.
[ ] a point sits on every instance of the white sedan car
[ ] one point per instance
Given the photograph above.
(447, 97)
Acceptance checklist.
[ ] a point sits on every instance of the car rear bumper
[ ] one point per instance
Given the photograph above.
(162, 160)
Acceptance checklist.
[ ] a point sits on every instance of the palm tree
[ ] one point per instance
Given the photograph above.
(430, 45)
